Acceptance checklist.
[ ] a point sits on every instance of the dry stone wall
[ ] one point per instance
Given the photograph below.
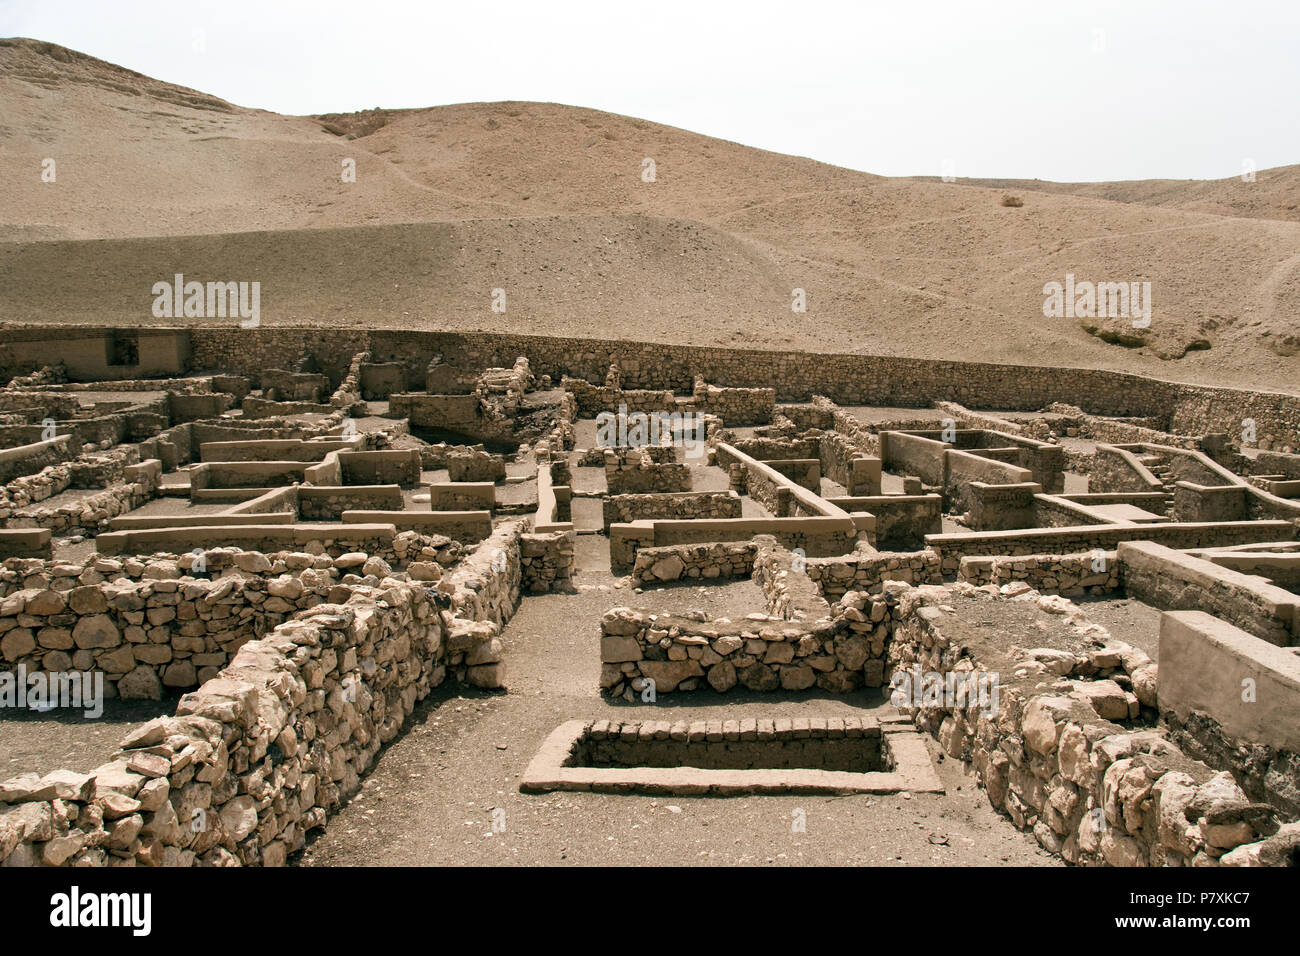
(760, 653)
(683, 505)
(1089, 789)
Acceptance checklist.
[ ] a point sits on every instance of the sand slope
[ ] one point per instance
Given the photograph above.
(548, 202)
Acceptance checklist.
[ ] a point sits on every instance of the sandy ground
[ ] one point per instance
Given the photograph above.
(69, 740)
(548, 203)
(431, 797)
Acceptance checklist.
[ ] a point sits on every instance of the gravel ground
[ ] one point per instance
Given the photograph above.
(431, 797)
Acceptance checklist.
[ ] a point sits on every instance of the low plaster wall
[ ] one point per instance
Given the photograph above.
(953, 547)
(902, 521)
(395, 467)
(1171, 580)
(1206, 667)
(467, 527)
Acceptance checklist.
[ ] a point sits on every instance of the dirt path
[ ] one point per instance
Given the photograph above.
(430, 799)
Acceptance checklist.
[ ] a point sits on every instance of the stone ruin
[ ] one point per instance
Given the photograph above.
(287, 564)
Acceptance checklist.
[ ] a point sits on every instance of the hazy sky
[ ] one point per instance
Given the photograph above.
(1132, 89)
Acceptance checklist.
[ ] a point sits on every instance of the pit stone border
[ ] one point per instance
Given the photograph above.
(913, 769)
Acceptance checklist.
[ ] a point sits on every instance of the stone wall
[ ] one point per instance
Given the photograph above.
(148, 625)
(633, 471)
(822, 536)
(462, 496)
(738, 407)
(256, 758)
(1089, 789)
(88, 515)
(548, 561)
(869, 571)
(327, 503)
(847, 379)
(1116, 469)
(719, 560)
(25, 460)
(780, 574)
(682, 504)
(474, 464)
(1051, 511)
(761, 653)
(1001, 507)
(1095, 572)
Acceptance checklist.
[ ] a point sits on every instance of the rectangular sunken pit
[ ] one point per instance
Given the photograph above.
(732, 757)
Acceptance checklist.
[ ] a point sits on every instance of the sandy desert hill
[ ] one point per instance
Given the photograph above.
(548, 202)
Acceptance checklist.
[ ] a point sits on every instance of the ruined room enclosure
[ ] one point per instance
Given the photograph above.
(701, 573)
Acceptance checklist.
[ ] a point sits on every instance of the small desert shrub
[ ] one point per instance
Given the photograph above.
(1009, 200)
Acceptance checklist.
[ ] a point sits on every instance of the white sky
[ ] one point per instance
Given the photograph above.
(1132, 89)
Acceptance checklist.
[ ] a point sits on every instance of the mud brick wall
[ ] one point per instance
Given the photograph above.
(685, 504)
(868, 572)
(1090, 790)
(1068, 574)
